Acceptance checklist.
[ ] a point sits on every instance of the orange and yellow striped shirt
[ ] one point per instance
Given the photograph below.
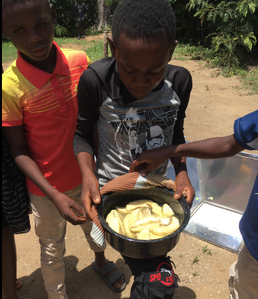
(46, 105)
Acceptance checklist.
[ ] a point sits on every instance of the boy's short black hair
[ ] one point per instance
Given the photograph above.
(8, 3)
(144, 19)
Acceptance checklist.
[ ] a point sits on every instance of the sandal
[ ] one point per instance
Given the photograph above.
(114, 277)
(18, 284)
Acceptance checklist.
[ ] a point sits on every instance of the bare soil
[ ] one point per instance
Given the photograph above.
(214, 105)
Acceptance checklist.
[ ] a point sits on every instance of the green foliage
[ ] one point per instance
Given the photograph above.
(66, 19)
(205, 249)
(95, 50)
(60, 30)
(233, 29)
(196, 260)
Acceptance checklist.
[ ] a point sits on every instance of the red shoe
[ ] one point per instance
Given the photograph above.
(18, 284)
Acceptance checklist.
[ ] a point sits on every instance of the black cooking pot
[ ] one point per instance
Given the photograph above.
(143, 248)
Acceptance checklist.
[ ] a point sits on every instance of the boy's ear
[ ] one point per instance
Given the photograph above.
(112, 46)
(172, 50)
(53, 13)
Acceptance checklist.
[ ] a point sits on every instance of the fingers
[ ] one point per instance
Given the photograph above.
(190, 195)
(78, 212)
(146, 171)
(134, 164)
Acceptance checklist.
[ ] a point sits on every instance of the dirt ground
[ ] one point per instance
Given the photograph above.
(214, 105)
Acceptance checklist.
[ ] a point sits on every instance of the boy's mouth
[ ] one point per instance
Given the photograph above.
(140, 93)
(40, 51)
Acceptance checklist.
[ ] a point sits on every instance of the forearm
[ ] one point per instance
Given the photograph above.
(179, 164)
(211, 148)
(29, 167)
(16, 140)
(85, 161)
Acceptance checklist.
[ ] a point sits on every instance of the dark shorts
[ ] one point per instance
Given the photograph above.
(154, 278)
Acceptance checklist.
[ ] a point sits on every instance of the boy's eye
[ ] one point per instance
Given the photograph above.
(154, 72)
(41, 24)
(129, 71)
(19, 31)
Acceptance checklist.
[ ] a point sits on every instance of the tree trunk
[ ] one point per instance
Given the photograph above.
(104, 13)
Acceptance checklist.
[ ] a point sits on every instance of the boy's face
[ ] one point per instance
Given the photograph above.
(141, 64)
(30, 28)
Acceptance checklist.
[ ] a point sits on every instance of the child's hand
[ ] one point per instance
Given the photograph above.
(65, 204)
(150, 161)
(90, 194)
(184, 187)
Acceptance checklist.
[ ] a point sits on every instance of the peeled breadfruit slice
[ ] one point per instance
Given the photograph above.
(128, 232)
(144, 234)
(167, 211)
(137, 204)
(113, 221)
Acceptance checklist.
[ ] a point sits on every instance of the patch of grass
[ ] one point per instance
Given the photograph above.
(196, 260)
(92, 31)
(68, 40)
(195, 273)
(9, 52)
(206, 249)
(249, 80)
(181, 255)
(95, 50)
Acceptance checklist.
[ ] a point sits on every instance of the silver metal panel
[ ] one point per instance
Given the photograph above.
(222, 190)
(216, 225)
(229, 181)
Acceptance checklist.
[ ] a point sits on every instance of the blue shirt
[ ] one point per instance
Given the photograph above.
(246, 134)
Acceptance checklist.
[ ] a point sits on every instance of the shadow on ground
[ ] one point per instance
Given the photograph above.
(84, 284)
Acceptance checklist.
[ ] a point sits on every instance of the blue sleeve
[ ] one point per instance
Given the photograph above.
(246, 131)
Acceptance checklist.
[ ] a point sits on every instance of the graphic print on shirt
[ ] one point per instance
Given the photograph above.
(145, 129)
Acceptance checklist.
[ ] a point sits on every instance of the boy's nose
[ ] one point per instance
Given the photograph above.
(34, 37)
(141, 80)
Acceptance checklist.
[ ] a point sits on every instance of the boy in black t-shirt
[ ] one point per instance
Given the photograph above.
(136, 101)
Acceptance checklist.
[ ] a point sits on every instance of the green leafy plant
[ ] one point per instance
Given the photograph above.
(206, 249)
(196, 260)
(60, 30)
(232, 24)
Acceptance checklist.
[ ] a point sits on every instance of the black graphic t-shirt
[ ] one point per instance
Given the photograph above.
(127, 126)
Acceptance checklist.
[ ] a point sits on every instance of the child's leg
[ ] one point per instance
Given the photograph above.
(79, 29)
(50, 227)
(100, 259)
(8, 264)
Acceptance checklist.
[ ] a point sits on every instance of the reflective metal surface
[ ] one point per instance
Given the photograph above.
(222, 190)
(216, 225)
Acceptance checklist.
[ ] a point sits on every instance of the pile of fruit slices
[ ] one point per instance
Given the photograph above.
(143, 220)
